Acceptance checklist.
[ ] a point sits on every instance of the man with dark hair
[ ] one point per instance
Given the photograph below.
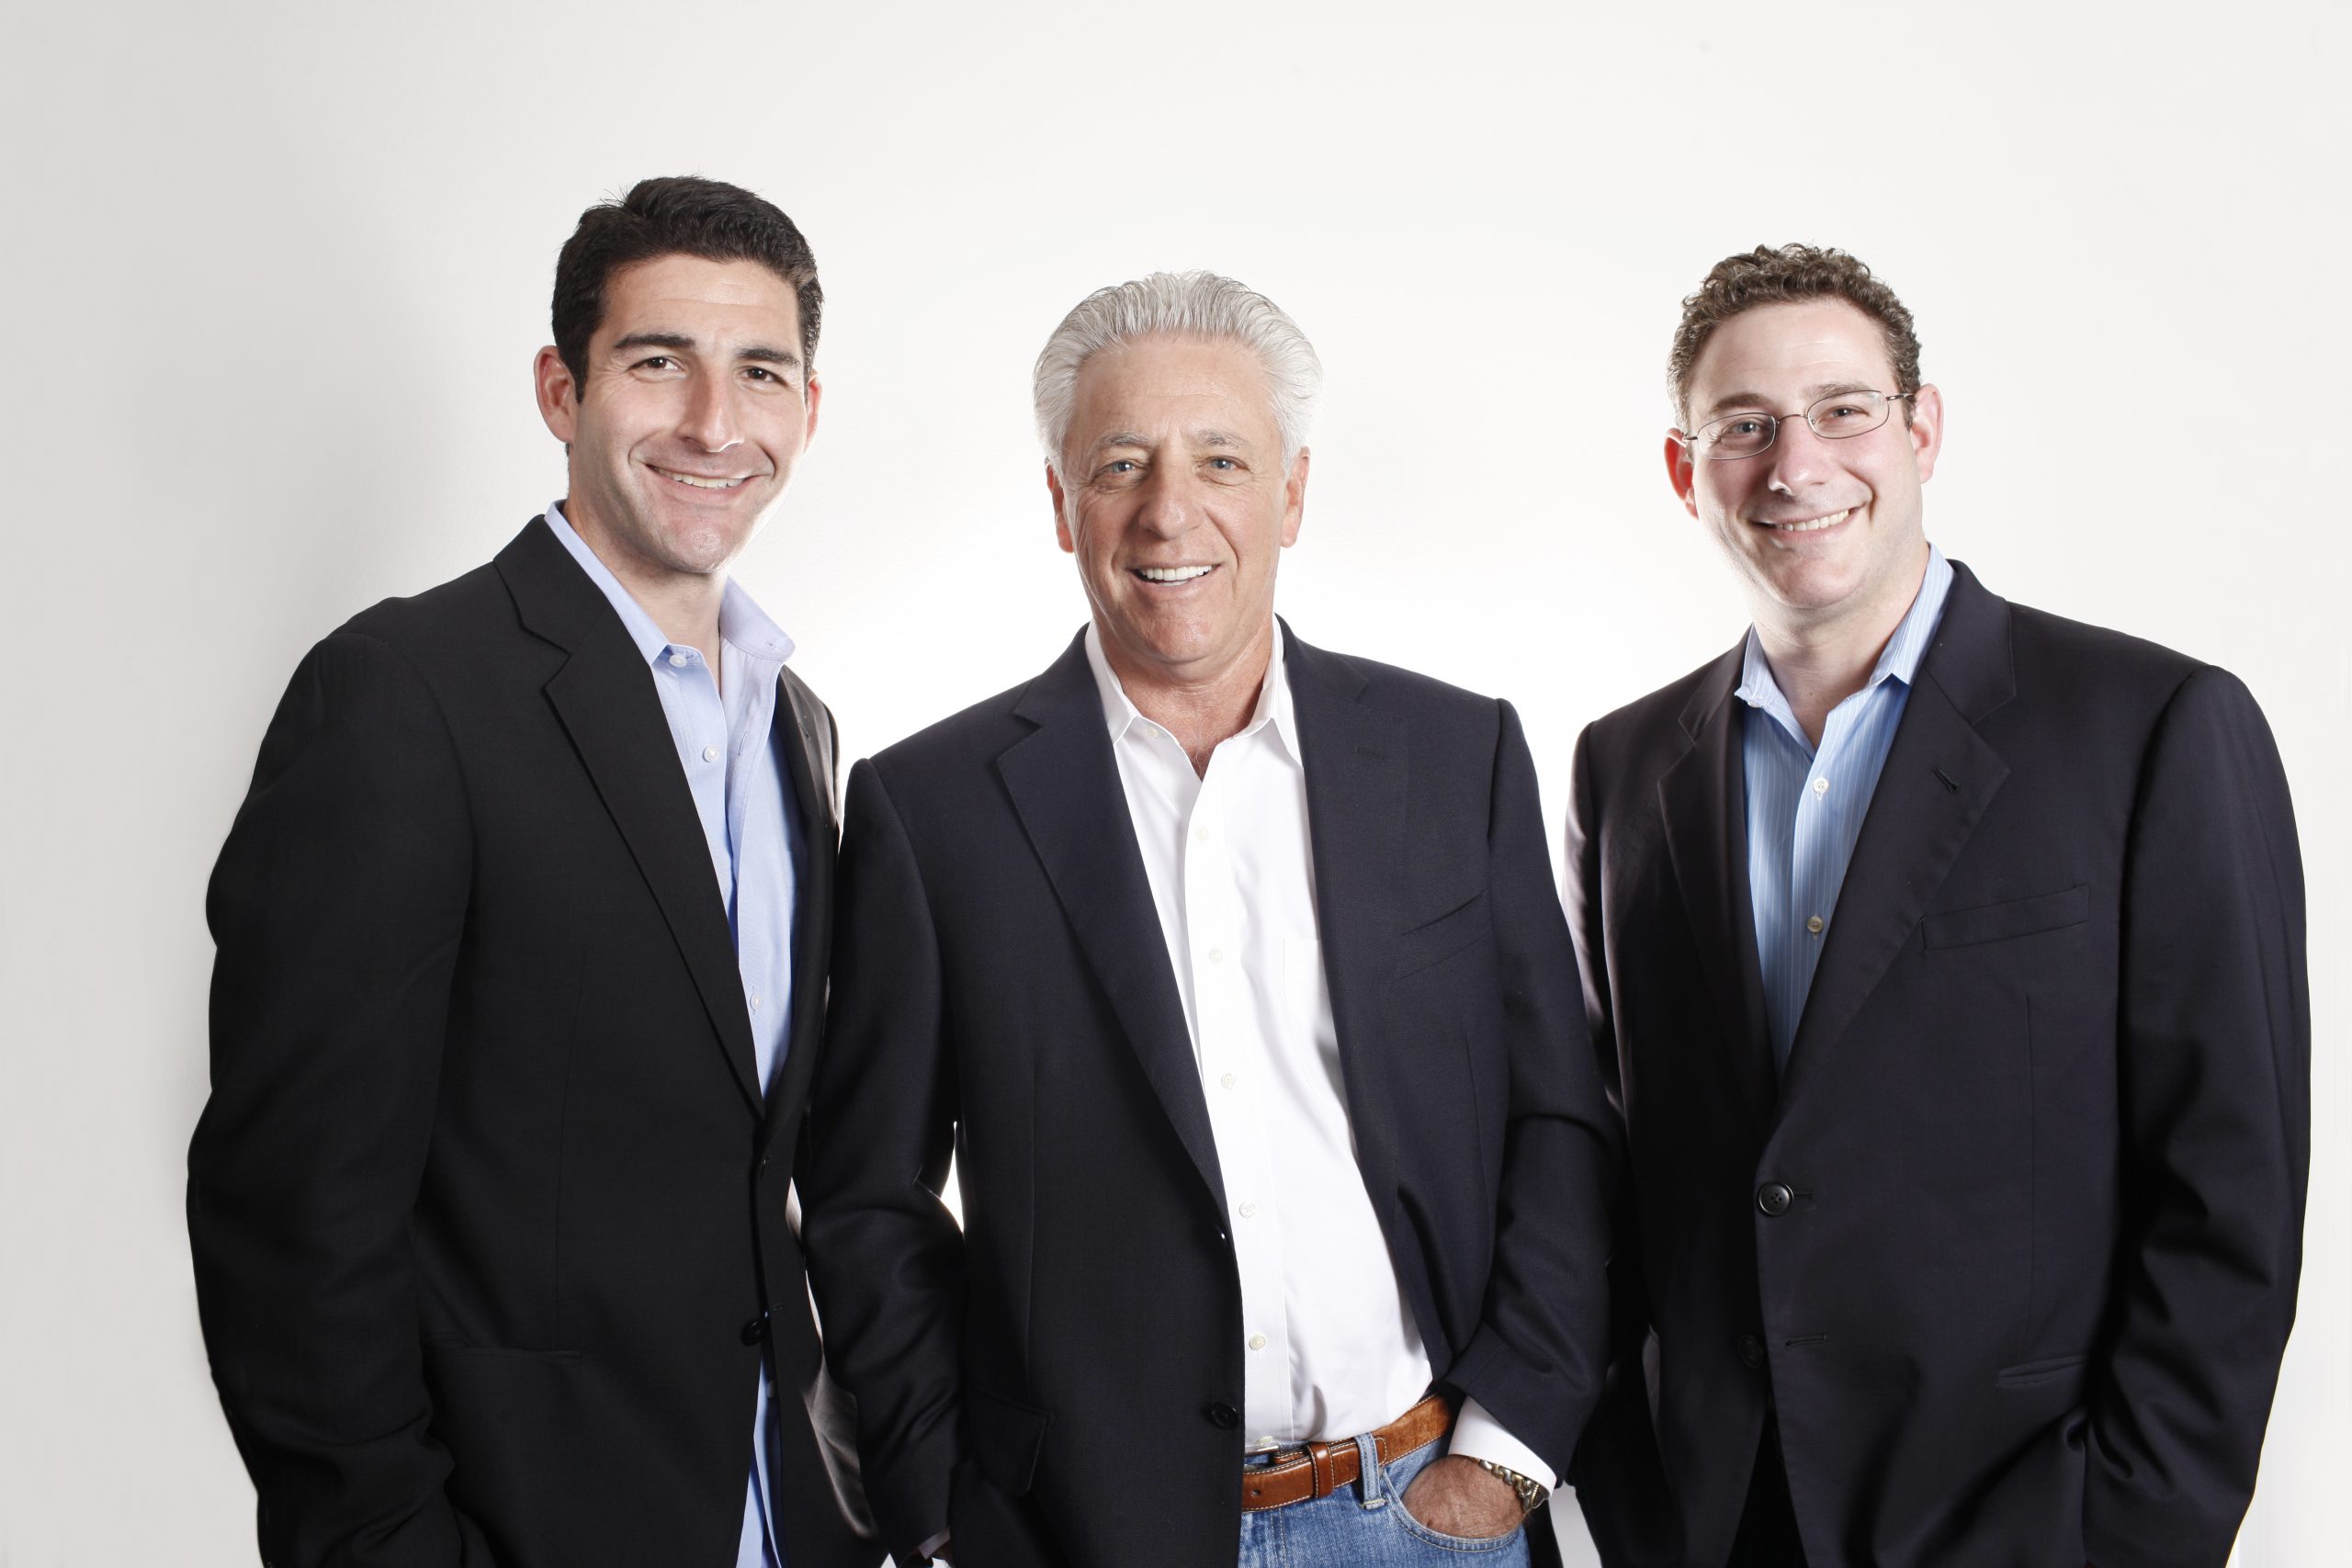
(488, 1204)
(1946, 958)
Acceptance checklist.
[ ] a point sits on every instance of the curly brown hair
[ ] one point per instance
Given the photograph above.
(1767, 275)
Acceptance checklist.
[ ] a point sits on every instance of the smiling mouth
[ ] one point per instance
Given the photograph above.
(700, 481)
(1173, 574)
(1810, 525)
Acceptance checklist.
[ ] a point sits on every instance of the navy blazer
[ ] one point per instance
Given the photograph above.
(2010, 1251)
(487, 1208)
(1060, 1380)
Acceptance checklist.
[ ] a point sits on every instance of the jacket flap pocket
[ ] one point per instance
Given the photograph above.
(1005, 1437)
(2014, 917)
(2034, 1374)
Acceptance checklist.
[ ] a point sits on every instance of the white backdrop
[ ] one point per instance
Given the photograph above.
(279, 271)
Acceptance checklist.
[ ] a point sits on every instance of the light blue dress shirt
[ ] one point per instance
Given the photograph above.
(1805, 806)
(725, 735)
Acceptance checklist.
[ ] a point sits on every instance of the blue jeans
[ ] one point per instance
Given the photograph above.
(1366, 1526)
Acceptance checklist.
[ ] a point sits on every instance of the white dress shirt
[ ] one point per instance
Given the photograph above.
(1332, 1349)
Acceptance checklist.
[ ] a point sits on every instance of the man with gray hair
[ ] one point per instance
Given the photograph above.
(1232, 974)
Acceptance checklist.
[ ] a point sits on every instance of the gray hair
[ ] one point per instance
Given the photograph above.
(1182, 304)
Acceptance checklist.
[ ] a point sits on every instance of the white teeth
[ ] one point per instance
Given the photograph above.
(1816, 526)
(699, 484)
(1173, 574)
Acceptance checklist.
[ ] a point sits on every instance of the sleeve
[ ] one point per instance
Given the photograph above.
(1477, 1435)
(1535, 1362)
(338, 908)
(1621, 1483)
(2214, 1037)
(884, 1256)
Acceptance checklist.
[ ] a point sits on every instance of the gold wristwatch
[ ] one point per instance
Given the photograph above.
(1532, 1493)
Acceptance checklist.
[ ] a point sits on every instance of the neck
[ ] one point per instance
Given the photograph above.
(1200, 709)
(684, 605)
(1819, 663)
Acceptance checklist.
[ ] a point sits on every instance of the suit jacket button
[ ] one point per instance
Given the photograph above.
(1774, 1198)
(756, 1330)
(1223, 1415)
(1751, 1349)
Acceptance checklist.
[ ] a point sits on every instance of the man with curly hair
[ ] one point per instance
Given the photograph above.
(1946, 960)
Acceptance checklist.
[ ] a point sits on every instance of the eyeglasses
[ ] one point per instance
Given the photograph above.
(1834, 418)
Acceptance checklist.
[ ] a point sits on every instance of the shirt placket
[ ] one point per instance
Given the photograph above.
(1818, 809)
(1234, 1081)
(702, 751)
(762, 952)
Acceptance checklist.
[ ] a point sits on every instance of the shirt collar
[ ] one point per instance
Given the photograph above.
(741, 621)
(1899, 659)
(1120, 713)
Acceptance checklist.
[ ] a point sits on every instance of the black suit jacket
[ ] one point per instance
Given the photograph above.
(486, 1206)
(2044, 1123)
(1061, 1381)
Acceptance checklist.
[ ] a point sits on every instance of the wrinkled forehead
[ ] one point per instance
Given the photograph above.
(1797, 351)
(1165, 387)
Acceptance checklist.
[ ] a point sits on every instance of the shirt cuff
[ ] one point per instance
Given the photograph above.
(1477, 1435)
(929, 1549)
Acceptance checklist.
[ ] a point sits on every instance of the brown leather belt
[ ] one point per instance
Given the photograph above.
(1318, 1470)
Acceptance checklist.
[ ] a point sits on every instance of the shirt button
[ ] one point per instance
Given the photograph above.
(1821, 787)
(1814, 925)
(677, 662)
(1201, 833)
(1248, 1211)
(1227, 1080)
(1216, 955)
(755, 1001)
(710, 753)
(1256, 1341)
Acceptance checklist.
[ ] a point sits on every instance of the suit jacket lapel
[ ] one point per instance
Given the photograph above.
(1355, 760)
(1065, 785)
(1704, 800)
(804, 731)
(1939, 776)
(605, 696)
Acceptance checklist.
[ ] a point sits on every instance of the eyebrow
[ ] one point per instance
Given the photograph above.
(760, 353)
(1743, 402)
(1197, 437)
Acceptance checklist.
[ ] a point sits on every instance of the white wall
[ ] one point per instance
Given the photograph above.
(278, 271)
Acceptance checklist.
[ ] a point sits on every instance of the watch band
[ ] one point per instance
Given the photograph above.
(1532, 1493)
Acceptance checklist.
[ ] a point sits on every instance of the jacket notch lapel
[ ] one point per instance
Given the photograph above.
(1940, 777)
(1065, 787)
(603, 697)
(806, 733)
(1703, 798)
(1356, 766)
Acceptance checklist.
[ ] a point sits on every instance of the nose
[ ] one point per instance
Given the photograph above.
(1797, 454)
(710, 417)
(1166, 506)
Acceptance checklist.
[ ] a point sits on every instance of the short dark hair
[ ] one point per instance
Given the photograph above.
(676, 215)
(1769, 277)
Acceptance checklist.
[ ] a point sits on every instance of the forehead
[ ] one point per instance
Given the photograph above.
(1789, 348)
(1162, 385)
(719, 297)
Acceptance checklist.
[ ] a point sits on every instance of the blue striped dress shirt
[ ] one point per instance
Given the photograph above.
(725, 738)
(1805, 805)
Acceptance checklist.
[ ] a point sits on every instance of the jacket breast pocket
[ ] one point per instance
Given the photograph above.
(1006, 1437)
(2014, 917)
(1434, 941)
